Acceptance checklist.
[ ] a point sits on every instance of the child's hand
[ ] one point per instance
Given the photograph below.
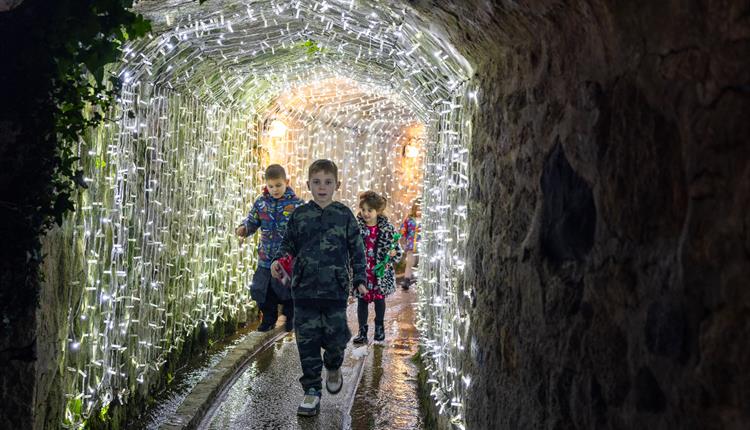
(240, 231)
(362, 289)
(276, 270)
(392, 253)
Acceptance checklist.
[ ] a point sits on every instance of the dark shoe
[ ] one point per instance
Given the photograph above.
(362, 336)
(379, 333)
(310, 405)
(264, 327)
(334, 381)
(289, 325)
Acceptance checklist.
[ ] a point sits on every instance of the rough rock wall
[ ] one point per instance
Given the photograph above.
(611, 182)
(25, 174)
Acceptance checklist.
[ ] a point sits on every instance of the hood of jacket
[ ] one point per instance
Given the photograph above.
(288, 194)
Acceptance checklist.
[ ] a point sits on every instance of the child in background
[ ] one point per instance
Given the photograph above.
(377, 234)
(270, 214)
(323, 237)
(409, 239)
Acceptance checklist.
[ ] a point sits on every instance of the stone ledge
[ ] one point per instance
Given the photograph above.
(192, 410)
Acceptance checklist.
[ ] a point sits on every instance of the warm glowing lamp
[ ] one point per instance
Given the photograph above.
(412, 151)
(277, 128)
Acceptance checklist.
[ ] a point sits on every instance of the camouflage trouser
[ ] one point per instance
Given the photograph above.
(316, 328)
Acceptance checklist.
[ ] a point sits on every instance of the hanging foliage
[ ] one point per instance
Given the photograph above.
(54, 88)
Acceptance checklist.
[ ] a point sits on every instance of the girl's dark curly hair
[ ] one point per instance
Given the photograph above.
(373, 200)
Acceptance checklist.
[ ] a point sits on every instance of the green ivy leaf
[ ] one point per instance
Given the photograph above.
(76, 406)
(116, 85)
(140, 26)
(81, 38)
(63, 204)
(312, 47)
(103, 413)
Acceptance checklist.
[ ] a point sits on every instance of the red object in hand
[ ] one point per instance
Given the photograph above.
(373, 295)
(287, 263)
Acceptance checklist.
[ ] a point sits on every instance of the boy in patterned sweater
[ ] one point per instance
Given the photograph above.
(270, 213)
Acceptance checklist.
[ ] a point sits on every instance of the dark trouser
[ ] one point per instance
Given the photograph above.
(320, 327)
(270, 308)
(363, 310)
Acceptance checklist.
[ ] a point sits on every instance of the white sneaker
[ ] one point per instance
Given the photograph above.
(334, 381)
(310, 405)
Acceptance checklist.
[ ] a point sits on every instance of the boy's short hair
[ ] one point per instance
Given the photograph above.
(373, 200)
(323, 165)
(275, 171)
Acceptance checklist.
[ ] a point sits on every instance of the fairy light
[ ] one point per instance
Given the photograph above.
(278, 128)
(360, 125)
(154, 260)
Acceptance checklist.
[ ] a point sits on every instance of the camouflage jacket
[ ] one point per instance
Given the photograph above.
(327, 247)
(270, 215)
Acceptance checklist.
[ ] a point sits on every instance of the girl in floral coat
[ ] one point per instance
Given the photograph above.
(377, 234)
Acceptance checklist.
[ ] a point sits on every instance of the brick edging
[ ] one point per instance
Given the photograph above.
(195, 406)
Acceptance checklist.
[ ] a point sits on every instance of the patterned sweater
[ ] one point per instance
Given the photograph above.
(270, 215)
(410, 233)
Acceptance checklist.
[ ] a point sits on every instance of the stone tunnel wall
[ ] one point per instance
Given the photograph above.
(608, 249)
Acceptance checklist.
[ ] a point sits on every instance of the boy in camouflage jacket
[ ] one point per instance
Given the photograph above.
(323, 236)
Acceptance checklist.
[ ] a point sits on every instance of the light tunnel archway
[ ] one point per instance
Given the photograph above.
(377, 141)
(151, 258)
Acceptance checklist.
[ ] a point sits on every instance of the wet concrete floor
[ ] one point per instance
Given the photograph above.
(379, 387)
(387, 394)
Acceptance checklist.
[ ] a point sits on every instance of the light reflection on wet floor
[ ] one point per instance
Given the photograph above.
(170, 399)
(387, 394)
(266, 393)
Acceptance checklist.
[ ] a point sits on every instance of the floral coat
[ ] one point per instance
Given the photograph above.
(386, 284)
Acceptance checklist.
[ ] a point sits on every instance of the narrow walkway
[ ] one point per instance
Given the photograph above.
(387, 393)
(265, 395)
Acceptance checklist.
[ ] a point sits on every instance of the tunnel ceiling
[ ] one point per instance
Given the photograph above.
(248, 53)
(342, 102)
